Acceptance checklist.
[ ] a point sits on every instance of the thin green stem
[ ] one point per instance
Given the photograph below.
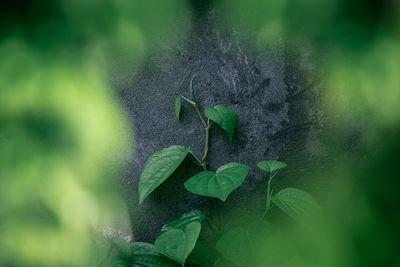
(196, 107)
(203, 160)
(269, 195)
(187, 100)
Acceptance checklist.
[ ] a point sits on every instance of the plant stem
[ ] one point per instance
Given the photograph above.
(203, 160)
(269, 194)
(196, 107)
(187, 100)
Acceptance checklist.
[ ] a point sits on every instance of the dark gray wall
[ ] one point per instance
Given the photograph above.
(274, 92)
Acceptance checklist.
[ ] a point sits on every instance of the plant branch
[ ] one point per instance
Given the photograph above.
(203, 160)
(269, 195)
(187, 100)
(196, 107)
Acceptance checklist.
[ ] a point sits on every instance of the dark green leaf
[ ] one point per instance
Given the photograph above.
(178, 237)
(123, 248)
(159, 167)
(247, 246)
(142, 248)
(178, 243)
(224, 117)
(296, 203)
(147, 255)
(220, 184)
(201, 255)
(177, 107)
(271, 165)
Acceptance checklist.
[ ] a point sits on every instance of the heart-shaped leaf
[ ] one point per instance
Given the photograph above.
(224, 117)
(177, 107)
(159, 167)
(147, 255)
(246, 246)
(220, 184)
(271, 165)
(178, 243)
(178, 237)
(296, 203)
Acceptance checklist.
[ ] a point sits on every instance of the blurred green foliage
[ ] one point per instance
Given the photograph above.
(63, 135)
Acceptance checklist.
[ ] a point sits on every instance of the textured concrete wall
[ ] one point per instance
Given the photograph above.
(274, 93)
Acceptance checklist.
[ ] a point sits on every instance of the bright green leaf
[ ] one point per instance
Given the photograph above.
(224, 117)
(220, 184)
(271, 165)
(296, 203)
(178, 243)
(177, 107)
(247, 246)
(159, 167)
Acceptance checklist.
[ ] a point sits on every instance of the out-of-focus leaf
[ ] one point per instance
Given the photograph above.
(296, 203)
(201, 255)
(246, 246)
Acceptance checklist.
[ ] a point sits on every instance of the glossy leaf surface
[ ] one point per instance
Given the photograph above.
(159, 167)
(271, 165)
(220, 184)
(296, 203)
(224, 117)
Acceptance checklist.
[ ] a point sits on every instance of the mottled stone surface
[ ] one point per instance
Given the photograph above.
(274, 93)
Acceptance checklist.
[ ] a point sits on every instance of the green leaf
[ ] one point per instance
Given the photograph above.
(147, 255)
(220, 184)
(191, 216)
(142, 248)
(224, 117)
(123, 248)
(177, 107)
(159, 167)
(201, 255)
(271, 165)
(296, 203)
(178, 243)
(247, 246)
(178, 237)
